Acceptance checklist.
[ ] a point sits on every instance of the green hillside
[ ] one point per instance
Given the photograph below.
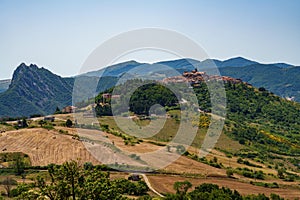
(282, 81)
(265, 124)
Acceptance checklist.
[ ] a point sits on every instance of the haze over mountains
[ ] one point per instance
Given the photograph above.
(4, 84)
(34, 90)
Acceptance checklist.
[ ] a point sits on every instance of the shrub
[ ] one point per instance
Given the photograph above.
(69, 123)
(229, 172)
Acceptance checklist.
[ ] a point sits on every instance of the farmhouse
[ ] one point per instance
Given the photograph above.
(69, 109)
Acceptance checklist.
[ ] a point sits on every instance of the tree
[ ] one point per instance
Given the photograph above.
(182, 187)
(141, 188)
(72, 181)
(57, 111)
(18, 164)
(262, 89)
(22, 189)
(275, 197)
(41, 123)
(229, 173)
(215, 160)
(259, 175)
(69, 123)
(71, 173)
(24, 123)
(280, 173)
(209, 191)
(8, 183)
(88, 166)
(64, 180)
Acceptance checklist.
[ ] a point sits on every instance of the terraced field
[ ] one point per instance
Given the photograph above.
(44, 147)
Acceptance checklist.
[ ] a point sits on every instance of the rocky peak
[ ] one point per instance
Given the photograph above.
(22, 71)
(38, 90)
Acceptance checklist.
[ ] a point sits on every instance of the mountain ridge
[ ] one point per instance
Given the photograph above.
(35, 90)
(283, 82)
(181, 64)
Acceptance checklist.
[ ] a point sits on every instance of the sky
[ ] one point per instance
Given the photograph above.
(61, 35)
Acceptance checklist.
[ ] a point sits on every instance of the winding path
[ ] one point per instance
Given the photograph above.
(150, 186)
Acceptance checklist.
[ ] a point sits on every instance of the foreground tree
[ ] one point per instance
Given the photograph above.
(72, 181)
(8, 183)
(64, 181)
(18, 164)
(88, 182)
(182, 187)
(41, 123)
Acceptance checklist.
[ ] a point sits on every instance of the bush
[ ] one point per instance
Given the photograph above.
(48, 127)
(21, 189)
(69, 123)
(229, 173)
(136, 157)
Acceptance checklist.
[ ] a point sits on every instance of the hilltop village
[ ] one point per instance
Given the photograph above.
(195, 77)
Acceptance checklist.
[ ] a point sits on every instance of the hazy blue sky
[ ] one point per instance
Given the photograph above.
(61, 35)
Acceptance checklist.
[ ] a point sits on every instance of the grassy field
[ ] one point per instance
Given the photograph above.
(167, 133)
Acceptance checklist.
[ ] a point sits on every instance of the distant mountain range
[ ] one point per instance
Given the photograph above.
(280, 78)
(34, 90)
(180, 65)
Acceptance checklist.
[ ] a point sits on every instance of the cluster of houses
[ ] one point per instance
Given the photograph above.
(110, 96)
(195, 77)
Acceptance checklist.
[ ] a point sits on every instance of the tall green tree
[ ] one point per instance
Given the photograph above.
(8, 183)
(72, 181)
(18, 164)
(182, 187)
